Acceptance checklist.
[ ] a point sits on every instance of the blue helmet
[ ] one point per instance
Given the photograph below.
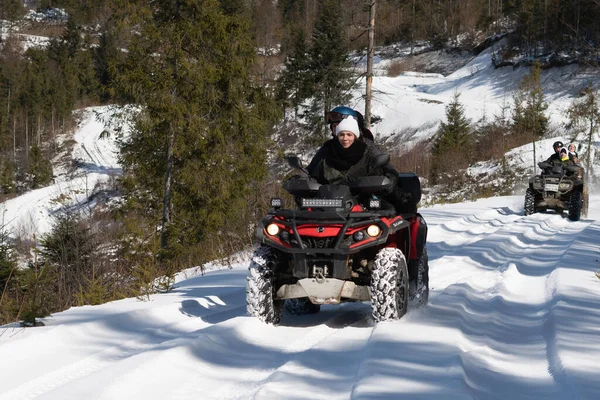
(339, 113)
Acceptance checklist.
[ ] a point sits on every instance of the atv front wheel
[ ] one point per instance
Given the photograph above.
(529, 207)
(260, 292)
(575, 206)
(389, 285)
(419, 295)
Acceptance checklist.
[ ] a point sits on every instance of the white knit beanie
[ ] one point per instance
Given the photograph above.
(348, 124)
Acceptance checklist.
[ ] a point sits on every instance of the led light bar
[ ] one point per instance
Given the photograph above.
(322, 203)
(276, 202)
(374, 204)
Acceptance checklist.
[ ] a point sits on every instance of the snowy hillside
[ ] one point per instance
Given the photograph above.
(96, 161)
(416, 100)
(514, 313)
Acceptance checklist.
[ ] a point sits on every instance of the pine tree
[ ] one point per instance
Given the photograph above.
(453, 143)
(529, 118)
(584, 113)
(454, 134)
(332, 78)
(293, 84)
(7, 176)
(40, 168)
(7, 260)
(200, 139)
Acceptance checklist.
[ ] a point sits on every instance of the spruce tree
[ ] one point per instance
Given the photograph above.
(529, 113)
(40, 168)
(294, 82)
(454, 133)
(332, 78)
(584, 113)
(453, 143)
(7, 260)
(200, 138)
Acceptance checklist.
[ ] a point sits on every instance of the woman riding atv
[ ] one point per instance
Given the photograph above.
(347, 157)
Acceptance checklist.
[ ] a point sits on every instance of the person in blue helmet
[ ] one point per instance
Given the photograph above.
(336, 115)
(348, 156)
(333, 118)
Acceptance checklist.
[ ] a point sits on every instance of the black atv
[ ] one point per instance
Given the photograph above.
(341, 244)
(558, 188)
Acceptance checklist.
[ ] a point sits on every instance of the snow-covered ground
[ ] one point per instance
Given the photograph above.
(514, 313)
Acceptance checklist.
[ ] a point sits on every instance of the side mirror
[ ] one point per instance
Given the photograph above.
(381, 160)
(294, 162)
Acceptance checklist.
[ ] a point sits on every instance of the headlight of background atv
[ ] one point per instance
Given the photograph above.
(537, 183)
(565, 186)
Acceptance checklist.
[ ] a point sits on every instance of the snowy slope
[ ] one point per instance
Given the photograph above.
(514, 312)
(32, 212)
(414, 100)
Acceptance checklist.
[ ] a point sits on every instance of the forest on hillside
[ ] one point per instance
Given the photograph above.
(214, 79)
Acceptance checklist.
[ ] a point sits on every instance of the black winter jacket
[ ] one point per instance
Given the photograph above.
(326, 174)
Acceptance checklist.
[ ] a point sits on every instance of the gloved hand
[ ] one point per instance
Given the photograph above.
(393, 177)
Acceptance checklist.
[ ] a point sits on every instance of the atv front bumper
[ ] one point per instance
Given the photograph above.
(324, 290)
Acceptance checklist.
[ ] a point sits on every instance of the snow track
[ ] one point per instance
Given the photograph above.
(514, 313)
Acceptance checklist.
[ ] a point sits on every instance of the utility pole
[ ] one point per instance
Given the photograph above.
(370, 50)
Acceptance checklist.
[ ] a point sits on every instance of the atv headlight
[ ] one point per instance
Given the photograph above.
(358, 236)
(537, 183)
(373, 230)
(564, 186)
(272, 229)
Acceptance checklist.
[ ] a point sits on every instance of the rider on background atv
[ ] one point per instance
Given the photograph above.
(554, 159)
(565, 158)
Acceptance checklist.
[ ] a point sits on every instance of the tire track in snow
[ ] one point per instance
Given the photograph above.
(556, 367)
(289, 346)
(199, 358)
(144, 339)
(495, 249)
(469, 229)
(340, 346)
(503, 293)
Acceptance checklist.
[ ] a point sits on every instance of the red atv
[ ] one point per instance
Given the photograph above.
(342, 243)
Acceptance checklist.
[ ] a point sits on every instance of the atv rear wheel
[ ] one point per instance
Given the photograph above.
(389, 285)
(529, 207)
(260, 292)
(302, 306)
(419, 295)
(575, 206)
